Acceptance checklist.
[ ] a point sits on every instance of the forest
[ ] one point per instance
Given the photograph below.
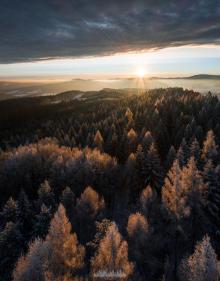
(117, 185)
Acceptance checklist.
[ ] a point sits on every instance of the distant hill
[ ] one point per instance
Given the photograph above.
(194, 77)
(205, 76)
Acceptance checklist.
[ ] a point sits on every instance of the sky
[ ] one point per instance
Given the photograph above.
(84, 38)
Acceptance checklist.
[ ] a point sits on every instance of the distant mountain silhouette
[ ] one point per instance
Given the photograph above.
(205, 76)
(194, 77)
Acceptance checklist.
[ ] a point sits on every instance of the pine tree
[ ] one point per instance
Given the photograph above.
(147, 200)
(11, 246)
(24, 216)
(181, 157)
(161, 133)
(184, 195)
(173, 194)
(195, 152)
(89, 207)
(129, 115)
(137, 229)
(171, 156)
(137, 226)
(67, 255)
(58, 256)
(90, 204)
(112, 256)
(8, 212)
(42, 222)
(210, 149)
(32, 266)
(98, 140)
(69, 201)
(141, 167)
(154, 170)
(196, 194)
(211, 176)
(199, 133)
(101, 229)
(132, 140)
(46, 195)
(175, 201)
(114, 144)
(188, 131)
(132, 135)
(147, 141)
(131, 185)
(202, 265)
(183, 153)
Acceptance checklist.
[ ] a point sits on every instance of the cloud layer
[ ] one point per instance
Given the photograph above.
(41, 29)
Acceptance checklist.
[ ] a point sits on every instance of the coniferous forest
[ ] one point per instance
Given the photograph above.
(114, 186)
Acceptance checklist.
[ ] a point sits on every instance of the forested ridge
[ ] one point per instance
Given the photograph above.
(126, 185)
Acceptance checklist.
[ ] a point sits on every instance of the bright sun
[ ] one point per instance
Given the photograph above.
(140, 72)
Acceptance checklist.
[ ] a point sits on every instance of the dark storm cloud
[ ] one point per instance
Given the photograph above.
(42, 29)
